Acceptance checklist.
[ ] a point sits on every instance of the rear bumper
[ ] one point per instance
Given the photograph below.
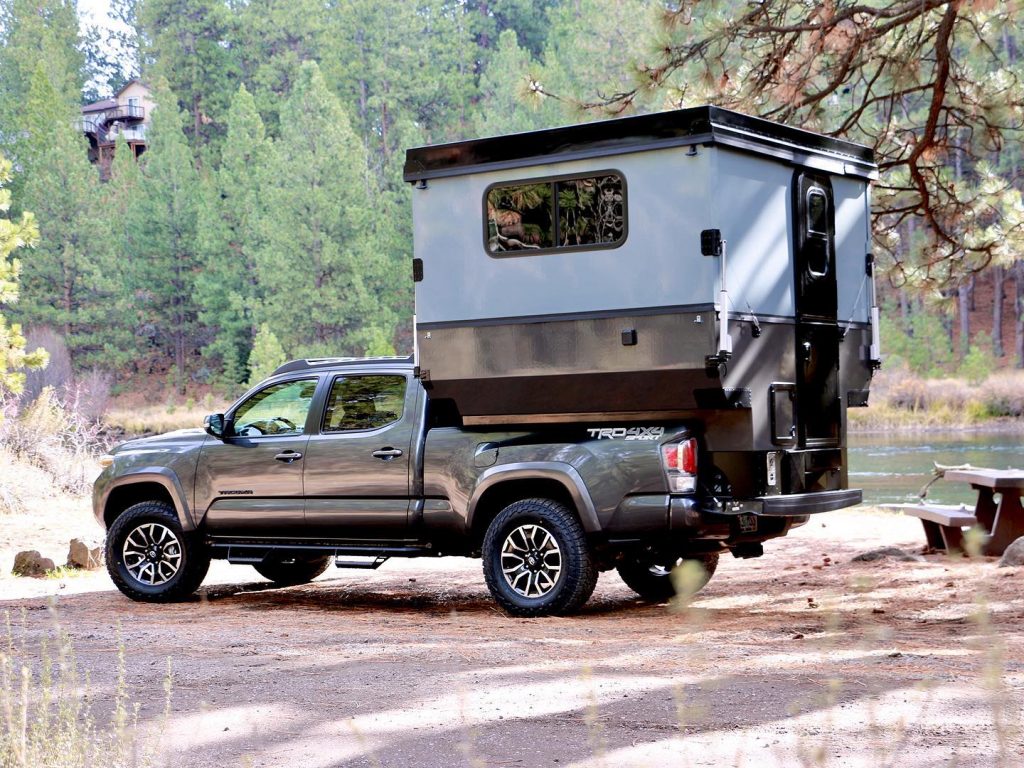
(640, 517)
(796, 504)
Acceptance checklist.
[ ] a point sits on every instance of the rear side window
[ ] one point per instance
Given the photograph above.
(364, 402)
(544, 215)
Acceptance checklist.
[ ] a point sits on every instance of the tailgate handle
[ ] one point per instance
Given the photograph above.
(387, 454)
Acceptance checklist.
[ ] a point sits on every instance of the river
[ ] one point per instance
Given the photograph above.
(894, 467)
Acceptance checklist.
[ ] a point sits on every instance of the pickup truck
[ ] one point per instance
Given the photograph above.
(347, 460)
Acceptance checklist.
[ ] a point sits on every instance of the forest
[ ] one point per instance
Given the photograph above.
(267, 218)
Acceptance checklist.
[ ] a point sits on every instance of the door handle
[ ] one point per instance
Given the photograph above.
(387, 454)
(288, 456)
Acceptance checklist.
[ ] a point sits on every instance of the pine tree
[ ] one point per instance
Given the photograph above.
(67, 285)
(188, 44)
(163, 234)
(13, 235)
(267, 354)
(317, 267)
(274, 37)
(228, 291)
(507, 104)
(33, 34)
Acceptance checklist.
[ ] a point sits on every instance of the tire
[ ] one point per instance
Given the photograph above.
(289, 571)
(652, 579)
(173, 566)
(548, 534)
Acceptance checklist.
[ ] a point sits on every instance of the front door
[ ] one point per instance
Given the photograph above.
(818, 404)
(250, 483)
(357, 460)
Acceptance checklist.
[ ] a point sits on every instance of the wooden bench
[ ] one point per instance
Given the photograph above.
(943, 523)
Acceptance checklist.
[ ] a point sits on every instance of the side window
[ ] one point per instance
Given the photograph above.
(277, 410)
(364, 402)
(817, 233)
(552, 214)
(817, 212)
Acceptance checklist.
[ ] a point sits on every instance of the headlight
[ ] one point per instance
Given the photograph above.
(106, 460)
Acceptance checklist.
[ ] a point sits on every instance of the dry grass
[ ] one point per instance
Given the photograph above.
(155, 419)
(47, 719)
(900, 400)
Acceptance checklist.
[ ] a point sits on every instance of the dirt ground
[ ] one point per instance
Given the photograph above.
(801, 657)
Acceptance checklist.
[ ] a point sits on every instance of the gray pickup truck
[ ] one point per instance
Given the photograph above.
(349, 461)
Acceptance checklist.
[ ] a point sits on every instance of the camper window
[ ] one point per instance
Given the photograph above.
(539, 216)
(817, 212)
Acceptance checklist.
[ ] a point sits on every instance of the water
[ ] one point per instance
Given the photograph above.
(894, 467)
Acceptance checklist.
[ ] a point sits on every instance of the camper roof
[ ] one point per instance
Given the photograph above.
(681, 127)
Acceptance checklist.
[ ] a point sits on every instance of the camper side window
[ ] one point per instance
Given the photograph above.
(555, 214)
(817, 212)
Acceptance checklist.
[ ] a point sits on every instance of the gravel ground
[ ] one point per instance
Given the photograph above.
(801, 657)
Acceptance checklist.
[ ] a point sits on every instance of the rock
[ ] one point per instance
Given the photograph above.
(894, 553)
(85, 555)
(1014, 554)
(31, 563)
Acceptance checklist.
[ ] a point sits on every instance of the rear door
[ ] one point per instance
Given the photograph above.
(817, 334)
(357, 466)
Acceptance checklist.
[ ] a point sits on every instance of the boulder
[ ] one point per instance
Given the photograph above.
(86, 555)
(884, 553)
(1013, 555)
(31, 563)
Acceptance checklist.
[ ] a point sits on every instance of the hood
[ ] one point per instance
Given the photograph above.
(181, 438)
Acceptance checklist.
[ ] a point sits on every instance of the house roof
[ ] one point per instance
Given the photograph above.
(99, 106)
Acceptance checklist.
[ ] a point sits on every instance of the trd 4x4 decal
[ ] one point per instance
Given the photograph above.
(627, 433)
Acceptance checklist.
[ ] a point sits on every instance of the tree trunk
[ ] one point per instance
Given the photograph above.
(1018, 308)
(963, 294)
(970, 292)
(998, 277)
(904, 307)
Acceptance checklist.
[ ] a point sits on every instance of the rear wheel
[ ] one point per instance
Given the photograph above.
(536, 559)
(651, 578)
(289, 571)
(150, 558)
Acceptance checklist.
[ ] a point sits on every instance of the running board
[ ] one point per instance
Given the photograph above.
(254, 553)
(364, 564)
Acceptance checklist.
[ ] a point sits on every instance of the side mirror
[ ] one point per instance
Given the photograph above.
(214, 425)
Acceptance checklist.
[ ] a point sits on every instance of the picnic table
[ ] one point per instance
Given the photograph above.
(1003, 519)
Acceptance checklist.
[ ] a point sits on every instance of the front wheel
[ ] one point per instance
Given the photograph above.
(536, 559)
(651, 578)
(289, 571)
(150, 558)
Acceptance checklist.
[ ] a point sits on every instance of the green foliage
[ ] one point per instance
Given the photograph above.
(267, 354)
(979, 362)
(36, 34)
(228, 290)
(163, 231)
(187, 44)
(13, 235)
(319, 273)
(924, 346)
(71, 283)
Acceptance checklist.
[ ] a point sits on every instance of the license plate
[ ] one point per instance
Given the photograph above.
(747, 523)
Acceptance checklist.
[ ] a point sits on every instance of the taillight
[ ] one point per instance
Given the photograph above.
(680, 462)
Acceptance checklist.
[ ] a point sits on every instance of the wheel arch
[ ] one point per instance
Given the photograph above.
(149, 486)
(500, 486)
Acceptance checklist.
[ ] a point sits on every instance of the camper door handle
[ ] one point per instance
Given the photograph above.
(387, 454)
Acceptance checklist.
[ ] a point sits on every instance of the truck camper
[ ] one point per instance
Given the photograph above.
(696, 264)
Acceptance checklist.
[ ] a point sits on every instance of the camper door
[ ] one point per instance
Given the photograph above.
(818, 403)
